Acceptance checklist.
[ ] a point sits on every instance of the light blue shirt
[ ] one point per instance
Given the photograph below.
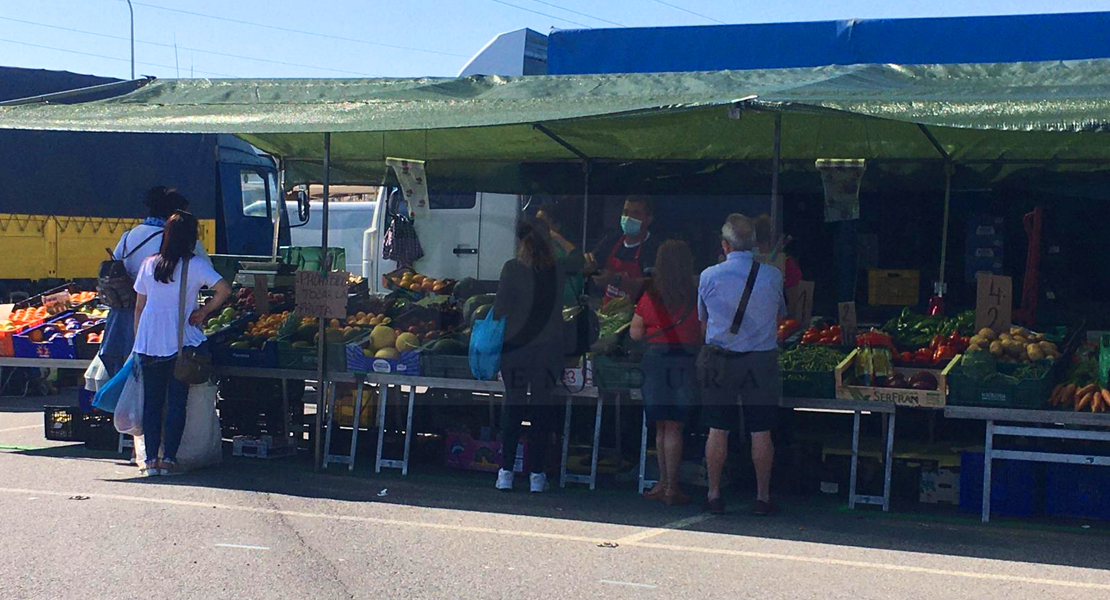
(719, 293)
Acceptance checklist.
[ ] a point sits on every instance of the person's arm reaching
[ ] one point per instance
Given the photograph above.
(200, 315)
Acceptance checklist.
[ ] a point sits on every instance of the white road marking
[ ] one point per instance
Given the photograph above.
(241, 547)
(628, 584)
(39, 426)
(896, 568)
(657, 531)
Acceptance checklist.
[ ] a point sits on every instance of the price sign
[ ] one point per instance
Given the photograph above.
(799, 302)
(261, 294)
(994, 302)
(847, 320)
(6, 311)
(57, 302)
(321, 295)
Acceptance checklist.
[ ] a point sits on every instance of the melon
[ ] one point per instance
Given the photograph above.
(389, 353)
(383, 337)
(407, 341)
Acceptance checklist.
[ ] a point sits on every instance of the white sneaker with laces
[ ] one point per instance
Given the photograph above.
(504, 480)
(537, 483)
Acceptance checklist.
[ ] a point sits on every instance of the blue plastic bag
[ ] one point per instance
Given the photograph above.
(486, 340)
(108, 394)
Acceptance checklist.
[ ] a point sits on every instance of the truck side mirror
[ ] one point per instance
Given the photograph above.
(304, 208)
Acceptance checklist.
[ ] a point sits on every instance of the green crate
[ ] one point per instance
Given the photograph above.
(1104, 360)
(306, 359)
(809, 384)
(616, 374)
(1028, 393)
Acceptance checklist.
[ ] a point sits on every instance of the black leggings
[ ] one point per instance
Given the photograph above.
(541, 370)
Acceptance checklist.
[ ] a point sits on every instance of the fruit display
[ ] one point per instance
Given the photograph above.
(25, 316)
(787, 328)
(1017, 345)
(94, 312)
(258, 332)
(825, 334)
(224, 320)
(362, 319)
(244, 299)
(420, 284)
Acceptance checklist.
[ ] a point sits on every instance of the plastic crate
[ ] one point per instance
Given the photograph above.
(357, 362)
(893, 287)
(267, 358)
(1080, 491)
(61, 348)
(612, 374)
(445, 366)
(1027, 393)
(306, 358)
(809, 384)
(62, 423)
(1017, 487)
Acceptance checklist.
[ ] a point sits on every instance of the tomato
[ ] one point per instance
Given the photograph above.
(944, 353)
(790, 323)
(938, 340)
(923, 356)
(906, 358)
(835, 329)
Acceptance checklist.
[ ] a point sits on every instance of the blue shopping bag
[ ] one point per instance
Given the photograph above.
(109, 393)
(485, 347)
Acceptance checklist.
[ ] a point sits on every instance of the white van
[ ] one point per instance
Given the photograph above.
(464, 235)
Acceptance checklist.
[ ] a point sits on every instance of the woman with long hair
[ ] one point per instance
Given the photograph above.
(666, 320)
(530, 299)
(157, 322)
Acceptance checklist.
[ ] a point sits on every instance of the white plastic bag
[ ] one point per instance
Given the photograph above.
(96, 375)
(202, 441)
(128, 416)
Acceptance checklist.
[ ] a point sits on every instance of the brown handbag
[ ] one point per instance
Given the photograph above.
(190, 367)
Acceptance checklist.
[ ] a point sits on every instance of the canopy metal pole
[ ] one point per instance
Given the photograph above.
(585, 203)
(776, 160)
(949, 168)
(322, 345)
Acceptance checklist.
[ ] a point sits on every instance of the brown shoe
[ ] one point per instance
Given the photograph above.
(655, 493)
(763, 509)
(715, 506)
(675, 498)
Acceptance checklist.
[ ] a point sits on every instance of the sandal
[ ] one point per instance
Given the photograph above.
(656, 492)
(151, 470)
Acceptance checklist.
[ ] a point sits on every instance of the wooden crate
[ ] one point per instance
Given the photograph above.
(899, 396)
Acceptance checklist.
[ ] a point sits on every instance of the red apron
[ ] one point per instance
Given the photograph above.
(628, 269)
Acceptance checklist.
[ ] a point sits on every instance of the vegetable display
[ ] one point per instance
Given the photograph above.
(1080, 390)
(911, 330)
(811, 358)
(825, 334)
(1017, 345)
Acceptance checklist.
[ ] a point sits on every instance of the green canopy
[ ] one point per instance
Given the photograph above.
(483, 130)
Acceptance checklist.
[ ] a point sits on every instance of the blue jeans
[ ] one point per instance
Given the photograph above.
(164, 401)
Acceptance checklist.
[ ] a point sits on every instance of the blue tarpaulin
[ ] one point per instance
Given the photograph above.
(1003, 39)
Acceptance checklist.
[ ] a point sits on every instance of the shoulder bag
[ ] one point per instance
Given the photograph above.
(114, 284)
(190, 367)
(711, 359)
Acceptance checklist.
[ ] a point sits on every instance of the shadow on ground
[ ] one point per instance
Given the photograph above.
(814, 519)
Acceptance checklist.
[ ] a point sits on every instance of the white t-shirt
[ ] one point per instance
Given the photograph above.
(133, 238)
(157, 334)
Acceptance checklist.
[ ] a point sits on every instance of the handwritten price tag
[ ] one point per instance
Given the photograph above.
(799, 302)
(321, 295)
(994, 302)
(847, 320)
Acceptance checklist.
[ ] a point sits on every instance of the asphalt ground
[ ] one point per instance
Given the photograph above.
(76, 523)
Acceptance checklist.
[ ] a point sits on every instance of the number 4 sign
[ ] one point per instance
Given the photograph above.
(994, 302)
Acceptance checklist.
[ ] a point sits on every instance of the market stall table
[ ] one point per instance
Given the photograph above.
(1044, 425)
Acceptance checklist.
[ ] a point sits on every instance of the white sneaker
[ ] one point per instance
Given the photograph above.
(504, 480)
(538, 483)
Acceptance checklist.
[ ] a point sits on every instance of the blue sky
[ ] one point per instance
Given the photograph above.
(378, 38)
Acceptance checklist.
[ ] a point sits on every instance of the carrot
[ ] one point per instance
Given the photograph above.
(1067, 397)
(1087, 389)
(1084, 402)
(1105, 399)
(1054, 399)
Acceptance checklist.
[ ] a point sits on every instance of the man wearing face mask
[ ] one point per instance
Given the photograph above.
(623, 260)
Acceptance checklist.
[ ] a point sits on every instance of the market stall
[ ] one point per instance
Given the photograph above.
(528, 134)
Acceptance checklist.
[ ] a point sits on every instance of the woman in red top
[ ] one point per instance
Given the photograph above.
(666, 321)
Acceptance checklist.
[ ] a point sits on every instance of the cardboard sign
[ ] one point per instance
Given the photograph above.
(321, 295)
(6, 311)
(261, 294)
(994, 302)
(847, 320)
(799, 302)
(57, 302)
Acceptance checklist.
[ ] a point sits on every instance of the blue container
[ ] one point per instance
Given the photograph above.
(1081, 491)
(85, 400)
(1017, 486)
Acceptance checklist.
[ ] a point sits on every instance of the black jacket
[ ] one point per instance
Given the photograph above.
(531, 302)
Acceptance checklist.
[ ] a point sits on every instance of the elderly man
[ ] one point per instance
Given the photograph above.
(738, 304)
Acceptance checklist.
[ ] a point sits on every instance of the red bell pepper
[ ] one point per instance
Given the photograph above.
(944, 354)
(924, 356)
(938, 341)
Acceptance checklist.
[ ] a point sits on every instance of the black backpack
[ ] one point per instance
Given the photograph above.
(114, 285)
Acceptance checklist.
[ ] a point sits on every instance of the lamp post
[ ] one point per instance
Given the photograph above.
(131, 9)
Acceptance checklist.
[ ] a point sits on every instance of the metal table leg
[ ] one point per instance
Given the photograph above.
(988, 455)
(286, 418)
(329, 400)
(855, 461)
(383, 399)
(643, 456)
(597, 444)
(408, 431)
(888, 457)
(566, 445)
(357, 422)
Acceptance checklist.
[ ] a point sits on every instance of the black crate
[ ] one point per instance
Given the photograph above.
(62, 423)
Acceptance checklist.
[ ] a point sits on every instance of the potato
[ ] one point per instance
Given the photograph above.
(1006, 337)
(996, 348)
(1016, 331)
(988, 333)
(1034, 352)
(1021, 339)
(979, 340)
(1037, 337)
(1048, 348)
(1014, 349)
(974, 348)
